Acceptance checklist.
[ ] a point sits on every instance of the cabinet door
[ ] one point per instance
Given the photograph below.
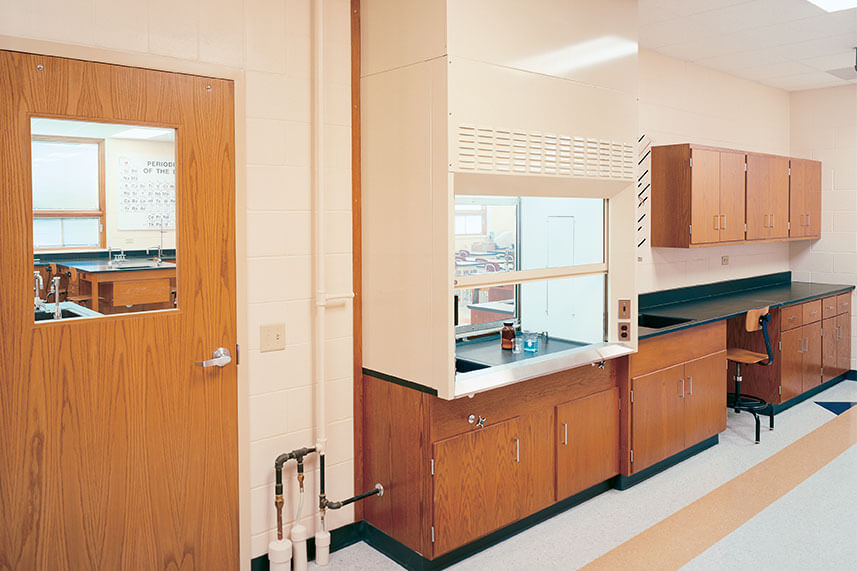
(657, 416)
(797, 198)
(732, 196)
(767, 197)
(791, 368)
(476, 476)
(536, 453)
(587, 441)
(843, 344)
(811, 355)
(829, 344)
(705, 196)
(705, 398)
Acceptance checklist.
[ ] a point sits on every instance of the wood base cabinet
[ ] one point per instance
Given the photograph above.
(811, 343)
(677, 393)
(587, 434)
(455, 471)
(677, 407)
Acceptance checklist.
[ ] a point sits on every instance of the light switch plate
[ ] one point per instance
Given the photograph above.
(624, 309)
(272, 337)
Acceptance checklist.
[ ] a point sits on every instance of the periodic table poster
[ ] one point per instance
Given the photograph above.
(147, 194)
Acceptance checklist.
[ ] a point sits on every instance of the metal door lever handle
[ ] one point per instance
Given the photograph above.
(220, 358)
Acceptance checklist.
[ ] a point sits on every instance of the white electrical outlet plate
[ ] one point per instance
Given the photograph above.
(272, 337)
(724, 260)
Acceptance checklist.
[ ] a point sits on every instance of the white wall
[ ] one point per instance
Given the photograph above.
(824, 128)
(684, 103)
(267, 44)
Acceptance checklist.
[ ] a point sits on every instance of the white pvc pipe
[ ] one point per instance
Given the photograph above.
(280, 555)
(322, 537)
(299, 536)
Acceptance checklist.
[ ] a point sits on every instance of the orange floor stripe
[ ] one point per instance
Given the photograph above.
(676, 540)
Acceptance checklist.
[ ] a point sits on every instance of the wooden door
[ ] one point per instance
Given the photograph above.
(705, 398)
(117, 452)
(797, 198)
(476, 477)
(767, 197)
(705, 196)
(536, 451)
(657, 416)
(829, 343)
(843, 345)
(732, 196)
(587, 442)
(791, 367)
(811, 355)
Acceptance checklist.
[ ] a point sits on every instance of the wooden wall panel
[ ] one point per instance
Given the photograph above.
(397, 439)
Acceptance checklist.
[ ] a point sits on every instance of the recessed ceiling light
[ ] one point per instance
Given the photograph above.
(834, 5)
(141, 133)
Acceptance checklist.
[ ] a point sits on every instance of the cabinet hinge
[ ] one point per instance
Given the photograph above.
(237, 354)
(780, 343)
(432, 466)
(690, 229)
(790, 171)
(632, 397)
(780, 390)
(432, 534)
(745, 167)
(745, 226)
(691, 162)
(620, 404)
(789, 225)
(632, 456)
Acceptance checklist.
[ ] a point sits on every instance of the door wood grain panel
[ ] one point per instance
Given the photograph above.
(657, 416)
(705, 196)
(812, 198)
(797, 198)
(829, 342)
(116, 451)
(811, 355)
(732, 196)
(587, 442)
(471, 470)
(843, 344)
(791, 369)
(705, 399)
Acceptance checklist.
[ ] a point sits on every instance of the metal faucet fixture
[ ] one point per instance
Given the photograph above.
(55, 290)
(38, 285)
(159, 258)
(113, 259)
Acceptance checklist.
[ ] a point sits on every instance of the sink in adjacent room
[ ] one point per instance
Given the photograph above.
(45, 315)
(659, 321)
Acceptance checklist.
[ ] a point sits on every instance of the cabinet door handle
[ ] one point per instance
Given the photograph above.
(681, 395)
(517, 450)
(773, 221)
(716, 222)
(723, 222)
(807, 219)
(765, 225)
(690, 382)
(565, 434)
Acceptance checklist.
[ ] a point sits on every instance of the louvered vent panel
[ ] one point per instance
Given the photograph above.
(520, 152)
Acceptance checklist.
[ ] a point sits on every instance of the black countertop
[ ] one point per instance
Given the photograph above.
(715, 302)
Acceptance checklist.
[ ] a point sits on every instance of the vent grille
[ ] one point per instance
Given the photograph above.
(521, 152)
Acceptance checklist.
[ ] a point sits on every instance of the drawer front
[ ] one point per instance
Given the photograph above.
(812, 311)
(141, 291)
(843, 303)
(792, 317)
(663, 351)
(829, 307)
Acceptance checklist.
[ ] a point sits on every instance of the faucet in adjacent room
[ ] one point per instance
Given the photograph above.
(38, 285)
(55, 291)
(113, 259)
(159, 258)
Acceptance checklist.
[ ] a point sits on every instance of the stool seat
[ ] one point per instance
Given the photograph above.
(745, 356)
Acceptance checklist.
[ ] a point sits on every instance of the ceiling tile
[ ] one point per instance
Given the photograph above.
(761, 73)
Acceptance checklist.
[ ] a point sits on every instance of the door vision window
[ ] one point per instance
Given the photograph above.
(104, 218)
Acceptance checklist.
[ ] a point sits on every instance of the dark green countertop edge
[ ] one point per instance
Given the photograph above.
(648, 302)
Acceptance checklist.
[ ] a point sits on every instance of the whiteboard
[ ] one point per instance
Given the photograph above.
(147, 193)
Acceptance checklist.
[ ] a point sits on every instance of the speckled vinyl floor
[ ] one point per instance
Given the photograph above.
(812, 526)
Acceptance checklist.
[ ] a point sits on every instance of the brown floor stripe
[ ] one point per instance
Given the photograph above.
(676, 540)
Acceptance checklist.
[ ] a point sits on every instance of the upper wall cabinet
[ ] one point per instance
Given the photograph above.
(703, 196)
(697, 196)
(805, 198)
(477, 118)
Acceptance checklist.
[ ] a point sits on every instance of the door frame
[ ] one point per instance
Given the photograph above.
(236, 75)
